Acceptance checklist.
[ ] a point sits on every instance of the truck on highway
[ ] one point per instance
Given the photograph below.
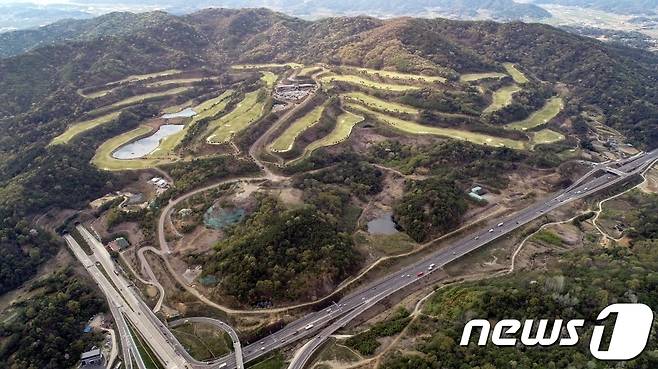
(309, 326)
(431, 267)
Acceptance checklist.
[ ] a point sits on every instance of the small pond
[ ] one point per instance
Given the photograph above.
(146, 145)
(185, 113)
(218, 218)
(383, 225)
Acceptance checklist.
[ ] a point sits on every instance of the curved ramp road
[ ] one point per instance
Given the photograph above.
(322, 324)
(237, 347)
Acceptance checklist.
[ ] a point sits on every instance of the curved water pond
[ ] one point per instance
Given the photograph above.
(185, 113)
(383, 225)
(146, 145)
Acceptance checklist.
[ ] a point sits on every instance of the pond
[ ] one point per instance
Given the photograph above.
(185, 113)
(146, 145)
(218, 218)
(383, 225)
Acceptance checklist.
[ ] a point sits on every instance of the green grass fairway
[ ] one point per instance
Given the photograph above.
(546, 136)
(287, 139)
(471, 77)
(400, 76)
(419, 129)
(179, 81)
(363, 82)
(542, 116)
(269, 78)
(265, 66)
(212, 107)
(501, 98)
(245, 113)
(309, 71)
(103, 158)
(516, 74)
(80, 127)
(344, 125)
(379, 104)
(141, 77)
(145, 97)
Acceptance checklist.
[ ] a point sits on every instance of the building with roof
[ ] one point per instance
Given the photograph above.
(118, 244)
(92, 359)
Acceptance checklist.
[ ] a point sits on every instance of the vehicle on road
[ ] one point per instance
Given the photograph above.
(431, 267)
(491, 230)
(500, 224)
(420, 274)
(309, 326)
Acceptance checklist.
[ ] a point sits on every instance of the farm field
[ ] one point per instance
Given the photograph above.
(546, 136)
(399, 75)
(379, 104)
(542, 116)
(419, 129)
(287, 139)
(472, 77)
(501, 98)
(77, 128)
(344, 125)
(249, 110)
(103, 158)
(516, 74)
(363, 82)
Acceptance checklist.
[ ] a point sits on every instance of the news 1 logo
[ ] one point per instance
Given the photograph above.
(629, 336)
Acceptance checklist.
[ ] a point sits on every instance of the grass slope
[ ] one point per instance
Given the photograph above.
(363, 82)
(287, 139)
(516, 74)
(419, 129)
(546, 136)
(77, 128)
(400, 76)
(249, 110)
(472, 77)
(379, 104)
(344, 125)
(265, 66)
(103, 158)
(542, 116)
(501, 98)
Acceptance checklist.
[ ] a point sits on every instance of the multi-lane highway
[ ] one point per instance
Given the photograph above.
(352, 305)
(322, 324)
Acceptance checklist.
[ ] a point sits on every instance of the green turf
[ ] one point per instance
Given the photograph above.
(471, 77)
(501, 98)
(400, 76)
(542, 116)
(179, 81)
(249, 110)
(203, 342)
(265, 66)
(141, 77)
(363, 82)
(287, 139)
(546, 136)
(419, 129)
(344, 124)
(103, 158)
(379, 104)
(516, 74)
(269, 78)
(83, 126)
(309, 71)
(145, 97)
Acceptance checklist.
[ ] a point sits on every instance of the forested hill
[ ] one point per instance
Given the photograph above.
(619, 81)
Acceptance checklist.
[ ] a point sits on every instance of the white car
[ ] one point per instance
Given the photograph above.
(491, 230)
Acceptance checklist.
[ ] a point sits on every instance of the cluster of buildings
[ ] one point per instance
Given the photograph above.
(159, 182)
(477, 193)
(293, 92)
(92, 359)
(118, 244)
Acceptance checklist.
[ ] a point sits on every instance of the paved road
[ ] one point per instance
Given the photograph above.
(370, 295)
(323, 323)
